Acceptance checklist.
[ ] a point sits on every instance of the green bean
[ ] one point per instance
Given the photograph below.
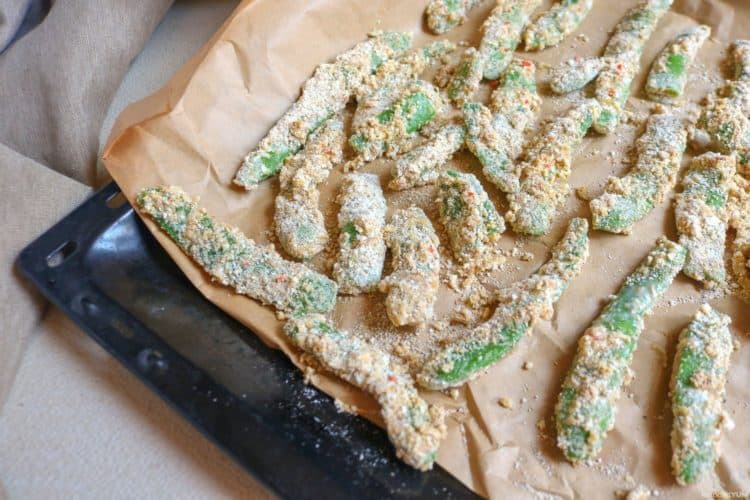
(484, 140)
(501, 33)
(741, 60)
(467, 76)
(700, 216)
(444, 15)
(724, 122)
(739, 89)
(612, 90)
(516, 95)
(697, 391)
(636, 27)
(575, 74)
(549, 29)
(668, 74)
(627, 200)
(617, 68)
(233, 259)
(587, 405)
(323, 95)
(395, 127)
(469, 217)
(612, 87)
(495, 138)
(519, 308)
(361, 244)
(738, 206)
(414, 427)
(298, 220)
(726, 127)
(412, 287)
(420, 166)
(392, 78)
(545, 170)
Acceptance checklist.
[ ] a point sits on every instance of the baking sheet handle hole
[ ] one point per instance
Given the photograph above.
(61, 253)
(152, 360)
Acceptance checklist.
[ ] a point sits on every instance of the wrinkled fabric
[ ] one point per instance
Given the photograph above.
(13, 13)
(56, 84)
(57, 81)
(40, 197)
(65, 404)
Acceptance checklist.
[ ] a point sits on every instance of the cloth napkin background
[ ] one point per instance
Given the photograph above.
(73, 423)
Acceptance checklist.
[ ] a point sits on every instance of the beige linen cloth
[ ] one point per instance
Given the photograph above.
(73, 423)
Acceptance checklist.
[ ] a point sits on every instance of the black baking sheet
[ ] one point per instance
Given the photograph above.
(107, 273)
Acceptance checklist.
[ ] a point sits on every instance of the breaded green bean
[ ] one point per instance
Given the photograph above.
(612, 87)
(636, 27)
(576, 73)
(495, 137)
(551, 28)
(233, 259)
(383, 88)
(515, 103)
(741, 60)
(618, 66)
(468, 215)
(361, 245)
(697, 391)
(516, 98)
(726, 127)
(420, 166)
(444, 15)
(501, 33)
(466, 77)
(520, 306)
(298, 220)
(724, 122)
(412, 287)
(739, 92)
(484, 138)
(612, 90)
(738, 209)
(701, 218)
(739, 88)
(414, 427)
(628, 199)
(323, 95)
(587, 405)
(545, 170)
(391, 131)
(669, 72)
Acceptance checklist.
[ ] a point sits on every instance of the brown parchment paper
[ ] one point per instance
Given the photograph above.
(194, 132)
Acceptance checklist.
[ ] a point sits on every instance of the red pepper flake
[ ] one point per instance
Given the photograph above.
(281, 278)
(611, 92)
(493, 84)
(431, 249)
(526, 63)
(328, 152)
(392, 378)
(470, 194)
